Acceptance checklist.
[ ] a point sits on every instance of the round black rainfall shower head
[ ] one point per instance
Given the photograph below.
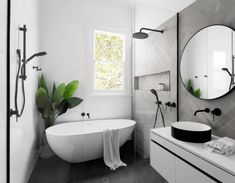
(140, 35)
(143, 35)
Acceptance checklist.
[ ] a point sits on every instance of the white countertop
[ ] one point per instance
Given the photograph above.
(226, 163)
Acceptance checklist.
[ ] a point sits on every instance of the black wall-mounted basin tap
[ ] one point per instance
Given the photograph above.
(206, 110)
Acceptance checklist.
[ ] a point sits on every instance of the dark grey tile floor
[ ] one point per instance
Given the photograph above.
(55, 170)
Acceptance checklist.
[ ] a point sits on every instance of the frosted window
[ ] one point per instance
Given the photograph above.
(109, 57)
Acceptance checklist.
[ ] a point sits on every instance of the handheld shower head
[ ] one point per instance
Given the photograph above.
(153, 91)
(41, 53)
(36, 55)
(226, 69)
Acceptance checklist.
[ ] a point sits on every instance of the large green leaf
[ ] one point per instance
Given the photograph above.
(68, 104)
(70, 89)
(63, 107)
(58, 94)
(73, 102)
(46, 112)
(54, 88)
(42, 99)
(40, 110)
(42, 83)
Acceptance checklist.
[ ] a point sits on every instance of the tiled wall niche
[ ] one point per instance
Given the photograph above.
(147, 82)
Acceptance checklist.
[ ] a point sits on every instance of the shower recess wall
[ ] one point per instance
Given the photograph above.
(3, 51)
(155, 61)
(24, 131)
(198, 15)
(66, 30)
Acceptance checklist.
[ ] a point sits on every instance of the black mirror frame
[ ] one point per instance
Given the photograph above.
(180, 76)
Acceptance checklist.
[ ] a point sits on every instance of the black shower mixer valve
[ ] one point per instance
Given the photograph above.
(170, 104)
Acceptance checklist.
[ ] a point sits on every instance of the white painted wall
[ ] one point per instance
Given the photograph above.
(23, 132)
(3, 32)
(66, 28)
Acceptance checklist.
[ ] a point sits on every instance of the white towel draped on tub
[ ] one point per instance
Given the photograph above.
(111, 149)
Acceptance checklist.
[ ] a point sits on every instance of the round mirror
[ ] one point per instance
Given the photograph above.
(207, 63)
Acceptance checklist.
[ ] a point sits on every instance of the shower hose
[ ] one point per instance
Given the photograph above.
(19, 71)
(159, 108)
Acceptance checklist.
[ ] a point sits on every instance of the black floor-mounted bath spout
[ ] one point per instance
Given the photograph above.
(206, 110)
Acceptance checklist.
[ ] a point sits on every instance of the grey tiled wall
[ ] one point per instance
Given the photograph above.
(198, 15)
(160, 61)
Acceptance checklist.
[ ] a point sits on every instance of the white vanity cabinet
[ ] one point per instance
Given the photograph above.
(163, 162)
(183, 162)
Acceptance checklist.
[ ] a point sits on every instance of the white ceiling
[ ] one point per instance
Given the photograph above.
(170, 5)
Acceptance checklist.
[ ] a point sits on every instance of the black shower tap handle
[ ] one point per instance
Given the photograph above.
(173, 104)
(168, 103)
(216, 112)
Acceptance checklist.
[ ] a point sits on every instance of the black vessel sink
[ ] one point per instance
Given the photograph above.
(191, 131)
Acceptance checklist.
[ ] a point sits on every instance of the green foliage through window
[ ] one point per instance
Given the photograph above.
(109, 59)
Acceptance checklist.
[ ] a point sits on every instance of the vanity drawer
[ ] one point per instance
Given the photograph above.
(184, 173)
(163, 162)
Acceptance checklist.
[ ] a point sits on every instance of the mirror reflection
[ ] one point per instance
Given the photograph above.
(207, 63)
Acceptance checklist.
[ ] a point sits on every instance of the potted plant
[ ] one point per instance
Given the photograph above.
(53, 104)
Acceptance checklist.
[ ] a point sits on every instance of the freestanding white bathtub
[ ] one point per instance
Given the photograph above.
(82, 141)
